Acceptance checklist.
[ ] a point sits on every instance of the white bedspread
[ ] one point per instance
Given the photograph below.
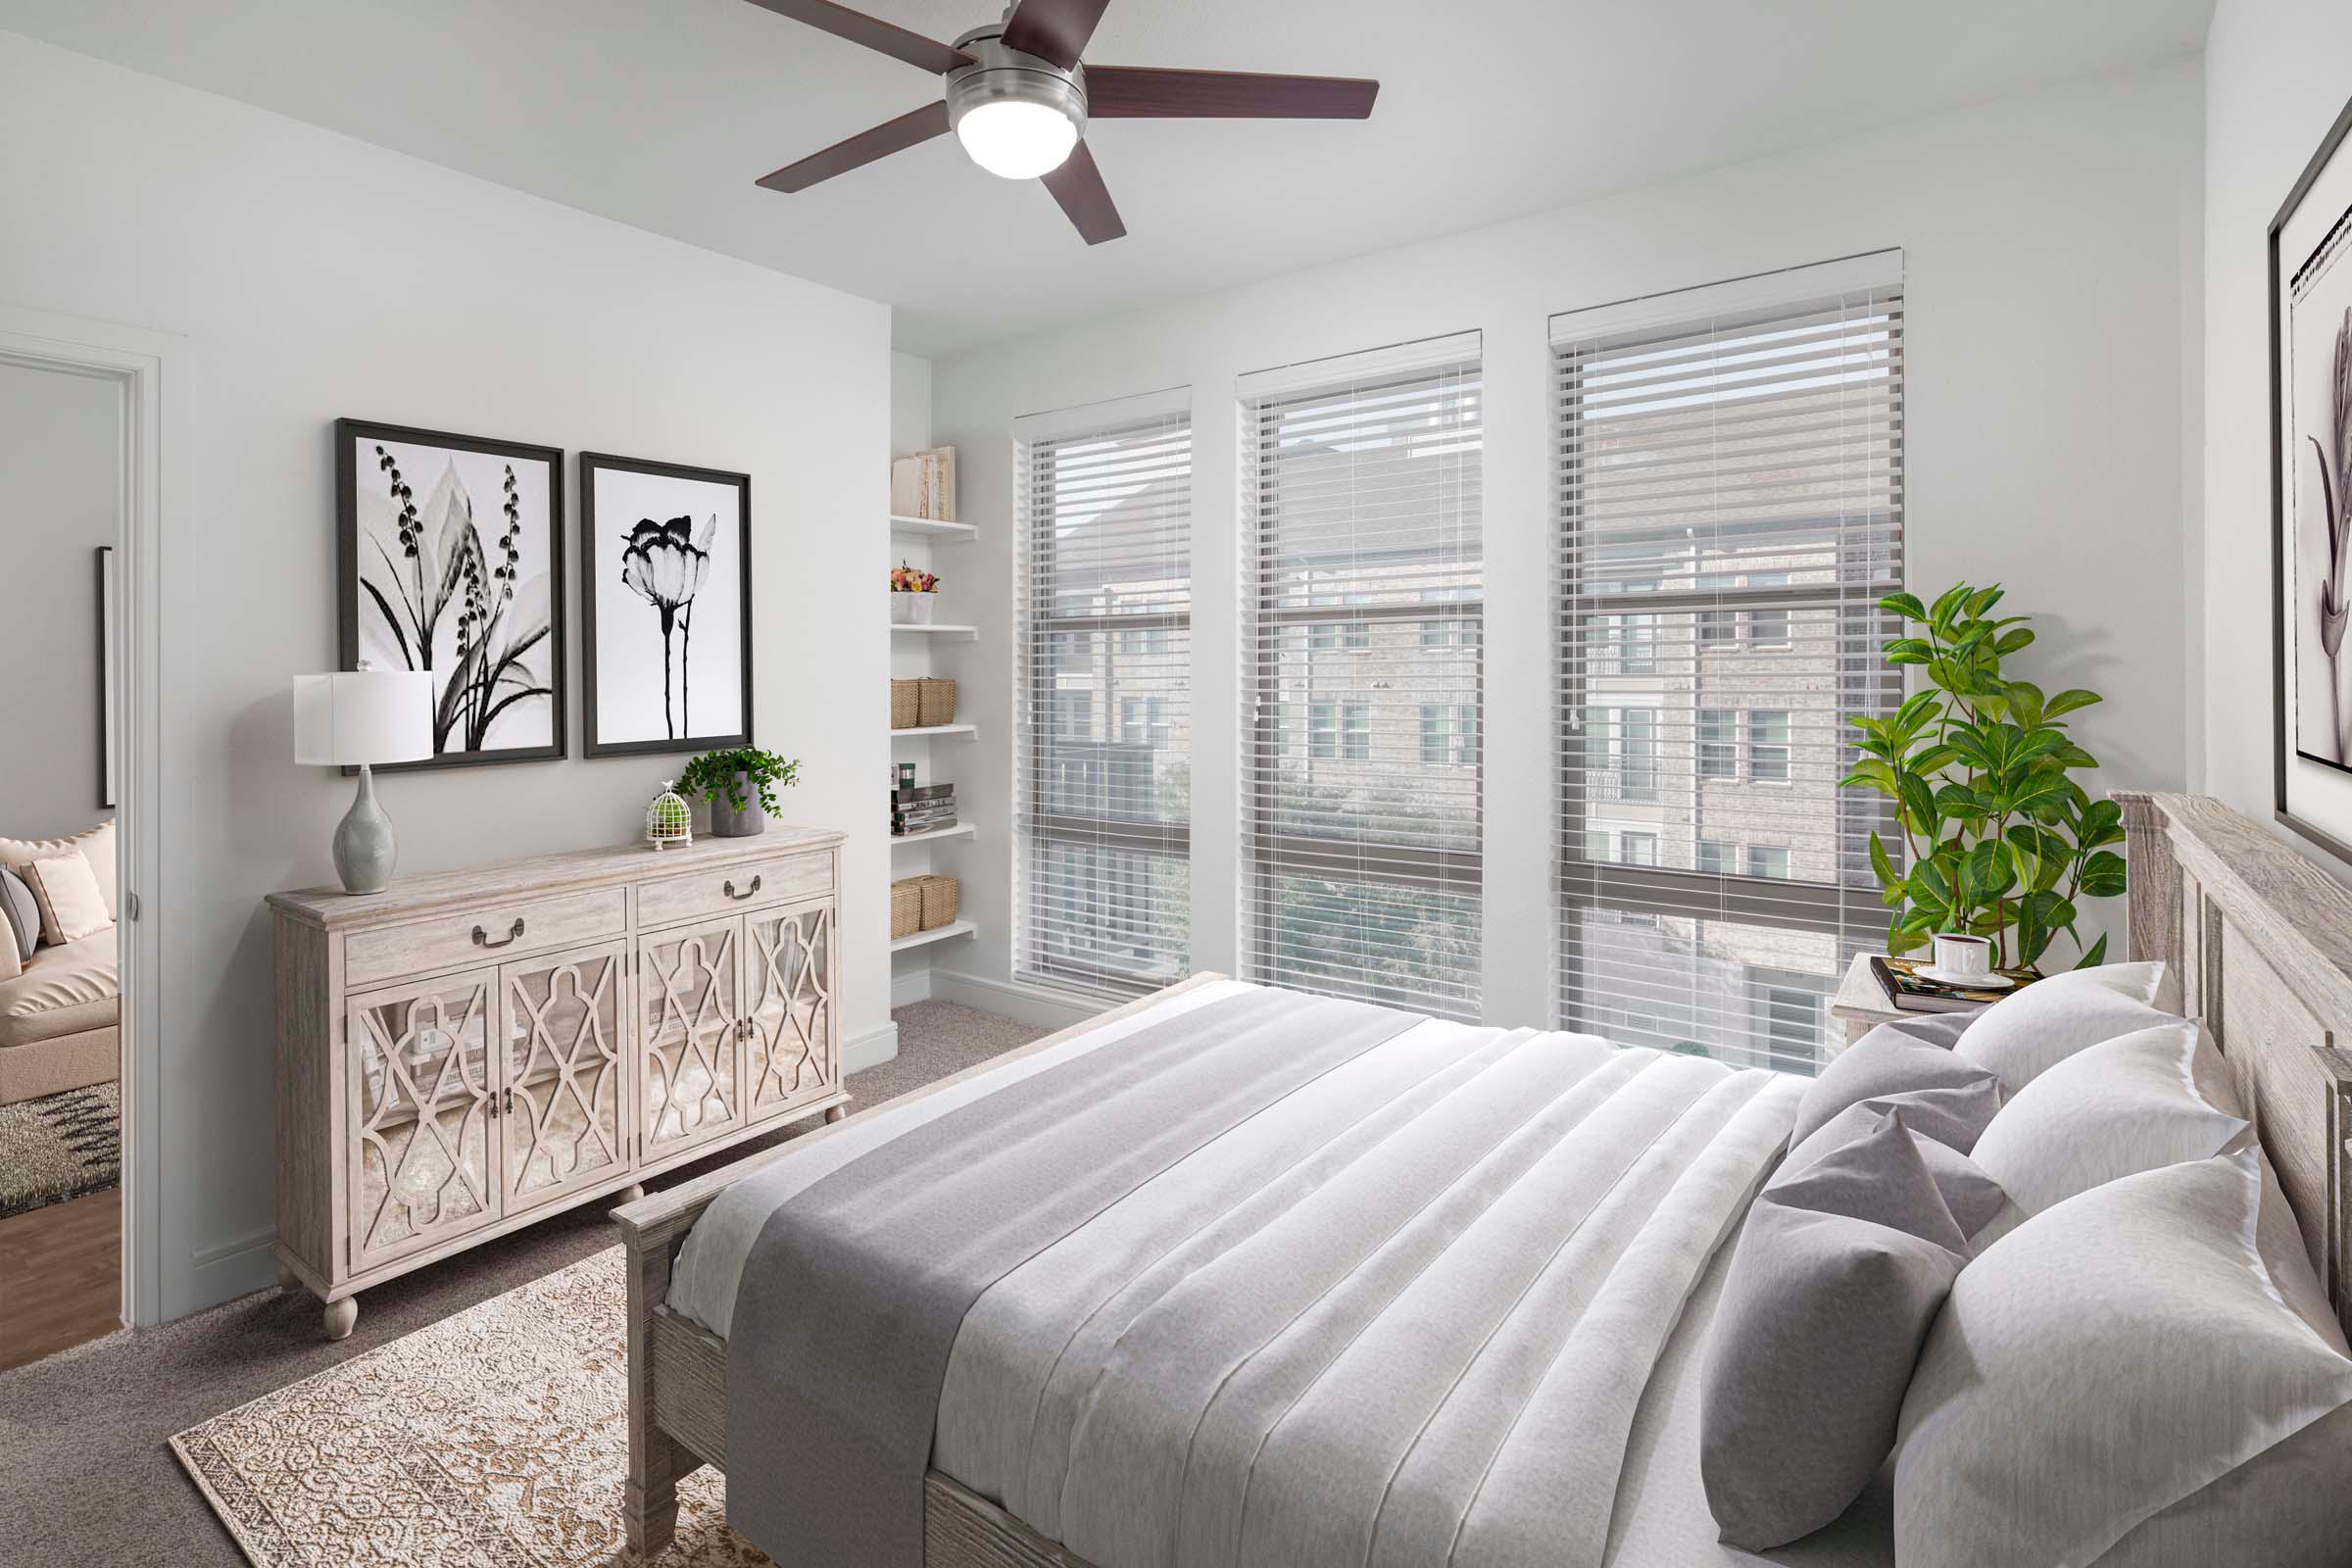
(1428, 1310)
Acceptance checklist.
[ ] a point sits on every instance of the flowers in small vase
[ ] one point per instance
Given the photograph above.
(912, 595)
(905, 579)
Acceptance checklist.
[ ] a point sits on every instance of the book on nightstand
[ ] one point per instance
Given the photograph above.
(1912, 992)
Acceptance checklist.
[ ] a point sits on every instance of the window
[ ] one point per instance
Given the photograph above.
(1103, 871)
(1637, 849)
(1718, 743)
(1768, 746)
(1360, 485)
(1734, 456)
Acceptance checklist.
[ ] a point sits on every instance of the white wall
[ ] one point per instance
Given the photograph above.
(2274, 81)
(2051, 250)
(61, 471)
(312, 276)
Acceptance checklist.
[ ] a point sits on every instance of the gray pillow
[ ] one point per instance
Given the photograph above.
(1973, 1197)
(19, 912)
(1948, 1100)
(1839, 1272)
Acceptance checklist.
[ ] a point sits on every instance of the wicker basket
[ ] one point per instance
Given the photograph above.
(941, 897)
(906, 703)
(906, 907)
(938, 705)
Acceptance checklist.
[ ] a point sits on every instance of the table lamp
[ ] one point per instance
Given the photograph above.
(364, 716)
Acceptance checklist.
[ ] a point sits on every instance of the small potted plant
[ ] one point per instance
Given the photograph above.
(741, 786)
(913, 593)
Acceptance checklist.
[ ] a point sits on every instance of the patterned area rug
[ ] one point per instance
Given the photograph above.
(495, 1438)
(60, 1146)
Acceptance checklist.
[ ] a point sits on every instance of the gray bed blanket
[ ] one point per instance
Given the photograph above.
(852, 1295)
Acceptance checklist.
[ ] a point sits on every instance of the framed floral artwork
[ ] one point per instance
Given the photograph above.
(2311, 495)
(451, 560)
(667, 608)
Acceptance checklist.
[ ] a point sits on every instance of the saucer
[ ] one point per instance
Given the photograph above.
(1966, 982)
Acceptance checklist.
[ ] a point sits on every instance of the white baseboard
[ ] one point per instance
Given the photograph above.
(224, 1271)
(912, 986)
(1012, 999)
(869, 1048)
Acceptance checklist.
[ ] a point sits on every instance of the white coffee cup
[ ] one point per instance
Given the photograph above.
(1957, 955)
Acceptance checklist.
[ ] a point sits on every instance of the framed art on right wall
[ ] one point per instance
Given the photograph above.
(2311, 497)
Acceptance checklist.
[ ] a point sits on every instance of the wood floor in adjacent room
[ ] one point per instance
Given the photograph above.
(60, 1279)
(86, 1475)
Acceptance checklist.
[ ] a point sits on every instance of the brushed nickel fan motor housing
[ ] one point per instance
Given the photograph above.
(1000, 75)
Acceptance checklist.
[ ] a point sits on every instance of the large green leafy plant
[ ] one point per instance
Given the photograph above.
(1998, 840)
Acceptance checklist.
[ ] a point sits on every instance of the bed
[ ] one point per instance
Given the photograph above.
(1457, 1384)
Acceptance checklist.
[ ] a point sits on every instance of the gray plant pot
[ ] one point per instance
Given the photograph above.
(726, 822)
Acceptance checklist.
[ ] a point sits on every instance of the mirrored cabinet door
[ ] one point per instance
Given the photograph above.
(788, 990)
(689, 1012)
(563, 1119)
(423, 1089)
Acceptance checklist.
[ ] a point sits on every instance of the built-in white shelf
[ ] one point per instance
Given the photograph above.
(936, 629)
(962, 830)
(932, 528)
(921, 730)
(921, 939)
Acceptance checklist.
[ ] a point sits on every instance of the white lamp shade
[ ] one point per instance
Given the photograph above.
(368, 716)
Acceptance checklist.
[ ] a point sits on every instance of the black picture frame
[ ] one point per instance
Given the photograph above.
(591, 465)
(2283, 749)
(347, 433)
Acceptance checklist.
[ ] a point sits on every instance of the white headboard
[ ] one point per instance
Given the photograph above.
(2262, 941)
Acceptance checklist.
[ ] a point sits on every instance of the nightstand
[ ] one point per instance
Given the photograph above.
(1861, 1005)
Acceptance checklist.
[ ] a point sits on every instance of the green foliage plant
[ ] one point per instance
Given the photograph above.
(1998, 840)
(716, 774)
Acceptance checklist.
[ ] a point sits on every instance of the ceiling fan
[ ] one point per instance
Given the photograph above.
(1019, 99)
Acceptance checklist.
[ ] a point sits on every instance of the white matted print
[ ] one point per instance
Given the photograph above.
(669, 606)
(452, 561)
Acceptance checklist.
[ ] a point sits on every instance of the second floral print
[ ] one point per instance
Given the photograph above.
(668, 610)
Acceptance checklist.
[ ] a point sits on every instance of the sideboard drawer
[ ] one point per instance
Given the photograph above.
(746, 886)
(388, 952)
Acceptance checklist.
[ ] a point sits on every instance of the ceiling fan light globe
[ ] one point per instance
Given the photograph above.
(1015, 139)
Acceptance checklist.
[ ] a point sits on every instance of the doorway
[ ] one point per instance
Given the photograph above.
(78, 476)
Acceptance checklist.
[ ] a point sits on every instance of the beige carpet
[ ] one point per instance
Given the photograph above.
(88, 1474)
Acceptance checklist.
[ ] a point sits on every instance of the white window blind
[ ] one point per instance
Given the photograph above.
(1103, 897)
(1731, 509)
(1364, 584)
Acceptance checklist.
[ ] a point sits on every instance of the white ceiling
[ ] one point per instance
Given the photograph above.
(662, 113)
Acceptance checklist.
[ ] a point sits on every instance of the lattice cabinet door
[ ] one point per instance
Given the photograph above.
(563, 1119)
(788, 992)
(423, 1097)
(689, 990)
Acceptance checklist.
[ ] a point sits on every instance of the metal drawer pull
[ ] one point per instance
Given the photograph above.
(750, 892)
(482, 938)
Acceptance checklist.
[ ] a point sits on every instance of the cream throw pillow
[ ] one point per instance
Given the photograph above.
(96, 843)
(67, 889)
(2128, 1372)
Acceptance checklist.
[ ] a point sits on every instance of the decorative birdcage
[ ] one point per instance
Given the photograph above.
(668, 820)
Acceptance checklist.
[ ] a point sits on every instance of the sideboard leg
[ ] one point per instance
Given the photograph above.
(629, 1194)
(834, 1113)
(340, 1316)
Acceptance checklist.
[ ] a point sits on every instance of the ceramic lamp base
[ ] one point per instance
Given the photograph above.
(365, 850)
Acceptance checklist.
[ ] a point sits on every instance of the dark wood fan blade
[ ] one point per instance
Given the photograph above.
(892, 136)
(856, 26)
(1053, 30)
(1078, 185)
(1144, 93)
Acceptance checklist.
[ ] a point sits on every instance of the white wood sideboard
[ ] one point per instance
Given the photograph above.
(468, 1053)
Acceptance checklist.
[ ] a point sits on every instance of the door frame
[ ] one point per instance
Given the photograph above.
(148, 369)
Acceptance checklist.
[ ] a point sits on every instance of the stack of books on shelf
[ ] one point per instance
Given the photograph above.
(922, 810)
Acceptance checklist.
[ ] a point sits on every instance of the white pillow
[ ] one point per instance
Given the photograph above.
(2154, 1097)
(2128, 1374)
(2019, 1038)
(67, 889)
